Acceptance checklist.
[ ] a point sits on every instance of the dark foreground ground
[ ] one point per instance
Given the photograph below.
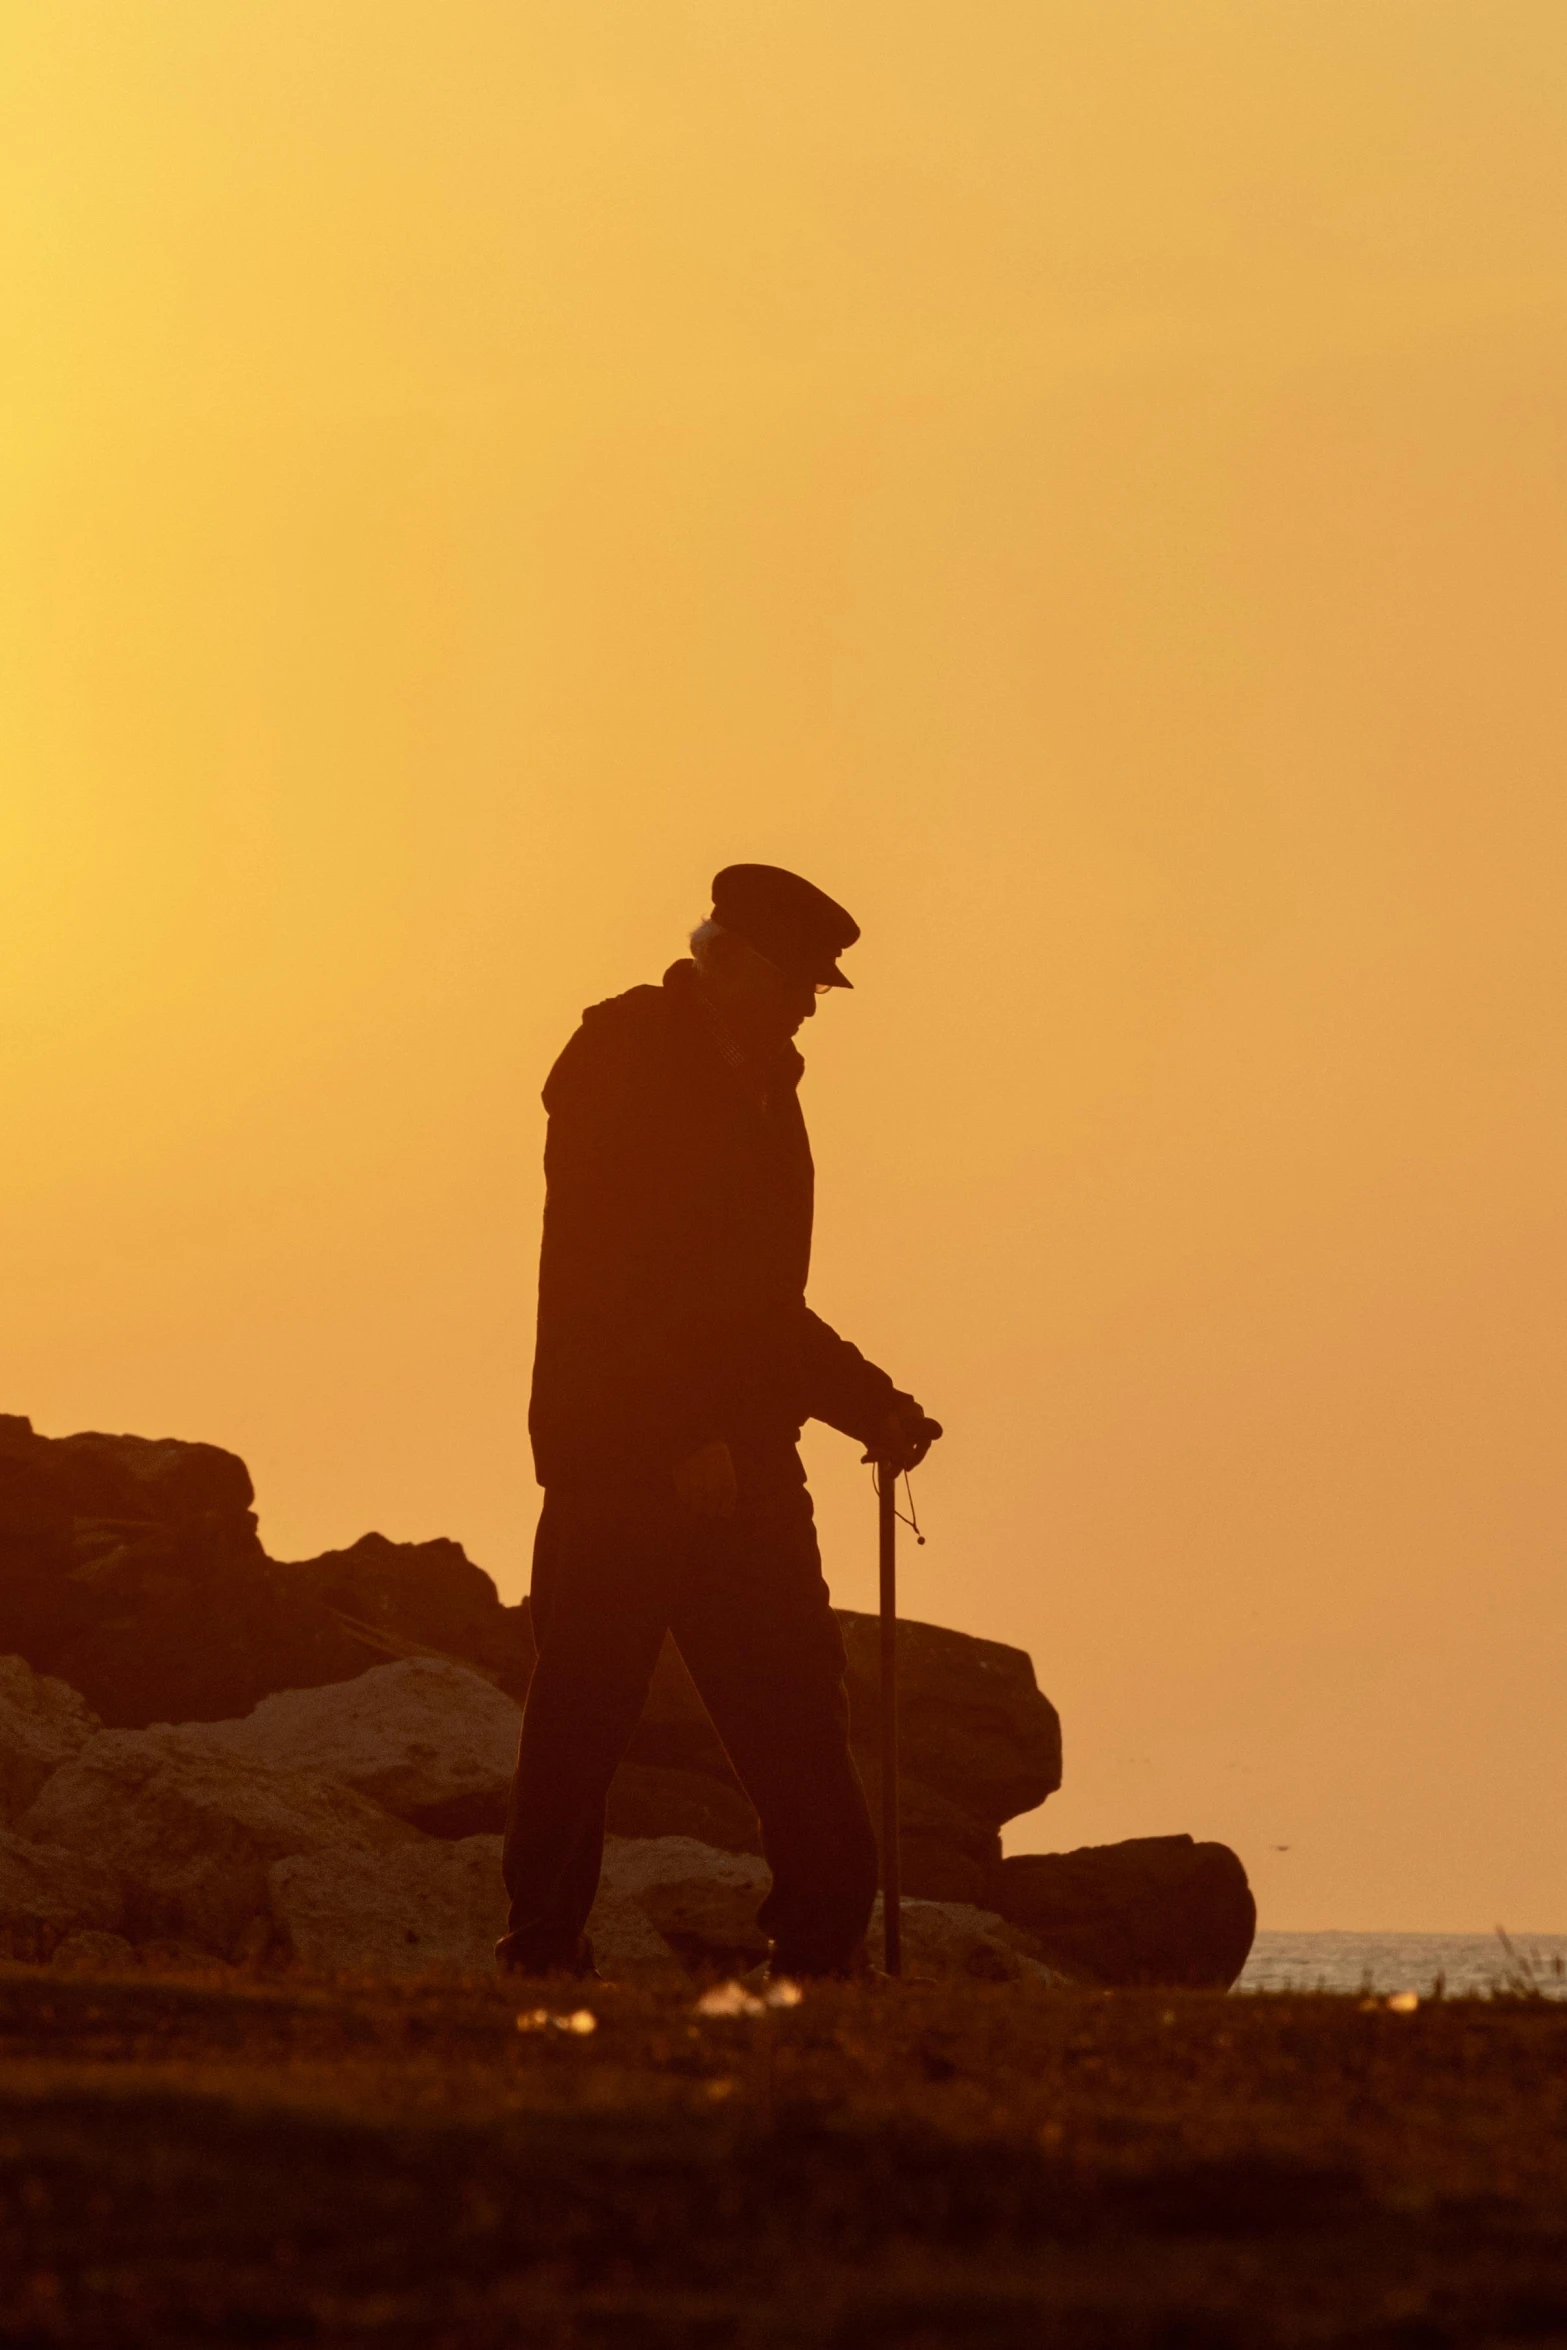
(189, 2161)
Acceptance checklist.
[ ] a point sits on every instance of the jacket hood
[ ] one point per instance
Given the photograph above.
(613, 1032)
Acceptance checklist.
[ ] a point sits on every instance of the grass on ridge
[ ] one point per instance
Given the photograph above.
(212, 2159)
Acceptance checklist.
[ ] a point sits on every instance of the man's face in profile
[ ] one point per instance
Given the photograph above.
(763, 1005)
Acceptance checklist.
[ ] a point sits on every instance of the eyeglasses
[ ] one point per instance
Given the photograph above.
(816, 986)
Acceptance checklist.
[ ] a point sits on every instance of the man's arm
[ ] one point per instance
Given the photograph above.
(857, 1397)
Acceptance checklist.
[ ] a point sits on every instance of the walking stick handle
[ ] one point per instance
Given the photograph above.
(886, 1481)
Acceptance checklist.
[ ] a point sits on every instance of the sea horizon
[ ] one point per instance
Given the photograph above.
(1342, 1959)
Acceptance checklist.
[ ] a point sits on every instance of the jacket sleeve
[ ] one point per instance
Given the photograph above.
(841, 1386)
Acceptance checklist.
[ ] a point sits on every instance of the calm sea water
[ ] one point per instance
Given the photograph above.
(1464, 1963)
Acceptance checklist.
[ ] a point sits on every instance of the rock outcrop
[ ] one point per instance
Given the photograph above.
(432, 1741)
(420, 1905)
(189, 1833)
(972, 1724)
(943, 1938)
(442, 1904)
(132, 1569)
(1156, 1909)
(978, 1744)
(626, 1943)
(703, 1902)
(411, 1598)
(948, 1853)
(366, 1703)
(663, 1902)
(647, 1801)
(48, 1892)
(43, 1722)
(93, 1952)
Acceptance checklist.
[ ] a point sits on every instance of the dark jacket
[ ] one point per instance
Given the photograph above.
(677, 1239)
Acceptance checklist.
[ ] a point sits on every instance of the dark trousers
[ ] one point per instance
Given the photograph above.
(746, 1603)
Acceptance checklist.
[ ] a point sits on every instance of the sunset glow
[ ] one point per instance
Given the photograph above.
(1082, 480)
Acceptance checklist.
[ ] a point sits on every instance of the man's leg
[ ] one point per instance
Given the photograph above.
(599, 1608)
(755, 1625)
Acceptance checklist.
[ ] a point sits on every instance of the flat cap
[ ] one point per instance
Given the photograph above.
(792, 923)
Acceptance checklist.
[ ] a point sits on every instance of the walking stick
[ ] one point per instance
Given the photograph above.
(885, 1477)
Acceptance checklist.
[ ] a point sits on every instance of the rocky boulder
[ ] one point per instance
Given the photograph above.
(674, 1733)
(443, 1904)
(1156, 1909)
(131, 1568)
(48, 1892)
(405, 1598)
(189, 1833)
(647, 1801)
(702, 1904)
(702, 1901)
(436, 1743)
(978, 1744)
(432, 1741)
(118, 1480)
(173, 1625)
(626, 1943)
(43, 1723)
(945, 1938)
(947, 1853)
(92, 1951)
(662, 1901)
(429, 1904)
(424, 1904)
(84, 1519)
(972, 1724)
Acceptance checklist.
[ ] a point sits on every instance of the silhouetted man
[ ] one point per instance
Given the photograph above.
(677, 1359)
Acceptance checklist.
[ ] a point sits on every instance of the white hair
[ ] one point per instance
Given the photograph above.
(703, 939)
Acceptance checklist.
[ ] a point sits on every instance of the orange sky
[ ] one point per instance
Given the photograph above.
(1085, 482)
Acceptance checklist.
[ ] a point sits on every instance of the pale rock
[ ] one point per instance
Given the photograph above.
(424, 1738)
(173, 1957)
(190, 1832)
(427, 1904)
(430, 1904)
(48, 1892)
(92, 1952)
(625, 1940)
(43, 1722)
(948, 1938)
(703, 1902)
